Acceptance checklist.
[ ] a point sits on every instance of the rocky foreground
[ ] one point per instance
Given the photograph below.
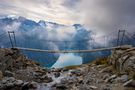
(116, 72)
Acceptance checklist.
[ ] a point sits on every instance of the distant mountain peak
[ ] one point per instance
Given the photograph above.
(78, 26)
(12, 16)
(42, 23)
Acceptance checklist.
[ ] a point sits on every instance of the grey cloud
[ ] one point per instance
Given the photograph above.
(108, 15)
(101, 16)
(71, 3)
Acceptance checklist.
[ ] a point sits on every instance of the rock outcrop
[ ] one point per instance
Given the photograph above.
(123, 59)
(114, 73)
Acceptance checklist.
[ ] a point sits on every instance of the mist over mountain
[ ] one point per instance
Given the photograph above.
(50, 36)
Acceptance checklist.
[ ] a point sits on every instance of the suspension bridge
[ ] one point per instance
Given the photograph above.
(122, 35)
(35, 49)
(69, 51)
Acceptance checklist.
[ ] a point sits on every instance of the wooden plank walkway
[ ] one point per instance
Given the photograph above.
(68, 51)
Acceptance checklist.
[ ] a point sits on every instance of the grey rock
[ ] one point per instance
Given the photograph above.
(56, 70)
(130, 83)
(9, 84)
(76, 72)
(64, 80)
(106, 76)
(111, 79)
(61, 87)
(57, 74)
(107, 69)
(18, 82)
(46, 79)
(124, 78)
(33, 85)
(9, 74)
(106, 88)
(8, 80)
(93, 87)
(25, 86)
(3, 81)
(11, 79)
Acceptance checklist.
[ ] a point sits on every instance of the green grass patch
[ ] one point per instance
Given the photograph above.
(102, 61)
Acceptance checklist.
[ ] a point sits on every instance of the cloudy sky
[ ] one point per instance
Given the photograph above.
(98, 15)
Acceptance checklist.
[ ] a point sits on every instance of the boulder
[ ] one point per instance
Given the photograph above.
(76, 72)
(9, 74)
(4, 81)
(105, 76)
(64, 80)
(56, 74)
(107, 70)
(9, 84)
(61, 87)
(130, 83)
(30, 86)
(25, 86)
(56, 70)
(33, 85)
(46, 79)
(110, 80)
(124, 78)
(10, 79)
(18, 82)
(93, 87)
(106, 88)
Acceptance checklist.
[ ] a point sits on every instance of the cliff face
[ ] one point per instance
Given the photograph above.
(12, 59)
(123, 60)
(116, 72)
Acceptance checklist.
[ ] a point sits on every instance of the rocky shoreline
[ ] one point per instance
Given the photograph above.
(17, 72)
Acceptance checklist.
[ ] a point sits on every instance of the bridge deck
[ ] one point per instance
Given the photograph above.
(68, 51)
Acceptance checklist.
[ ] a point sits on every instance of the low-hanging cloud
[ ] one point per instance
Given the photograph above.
(105, 16)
